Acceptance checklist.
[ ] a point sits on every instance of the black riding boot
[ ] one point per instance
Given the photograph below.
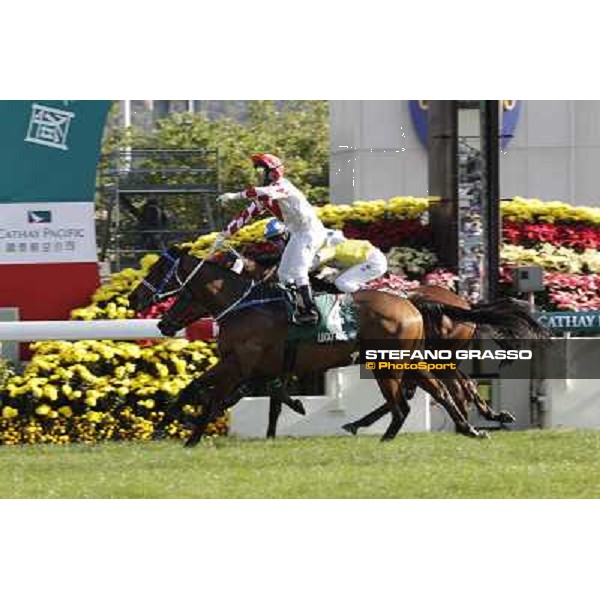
(306, 311)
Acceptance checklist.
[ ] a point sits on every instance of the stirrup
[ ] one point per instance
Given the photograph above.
(307, 318)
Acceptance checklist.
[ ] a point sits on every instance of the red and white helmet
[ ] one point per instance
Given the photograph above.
(271, 163)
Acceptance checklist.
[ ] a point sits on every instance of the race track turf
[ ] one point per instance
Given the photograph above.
(533, 464)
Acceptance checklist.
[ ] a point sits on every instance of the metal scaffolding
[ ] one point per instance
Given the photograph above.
(155, 198)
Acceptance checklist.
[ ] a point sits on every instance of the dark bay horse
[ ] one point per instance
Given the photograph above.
(162, 283)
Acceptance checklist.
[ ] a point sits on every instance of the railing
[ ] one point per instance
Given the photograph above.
(207, 329)
(109, 329)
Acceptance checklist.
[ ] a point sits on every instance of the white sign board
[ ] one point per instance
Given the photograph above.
(47, 232)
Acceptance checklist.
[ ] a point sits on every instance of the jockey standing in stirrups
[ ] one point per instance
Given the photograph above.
(307, 233)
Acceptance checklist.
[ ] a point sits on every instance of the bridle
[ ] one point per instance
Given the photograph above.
(159, 294)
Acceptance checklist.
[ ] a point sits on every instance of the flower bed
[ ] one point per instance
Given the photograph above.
(100, 390)
(577, 236)
(564, 240)
(552, 258)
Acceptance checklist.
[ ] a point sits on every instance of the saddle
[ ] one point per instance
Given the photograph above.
(337, 314)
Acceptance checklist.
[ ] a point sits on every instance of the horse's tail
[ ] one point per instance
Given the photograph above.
(508, 319)
(432, 314)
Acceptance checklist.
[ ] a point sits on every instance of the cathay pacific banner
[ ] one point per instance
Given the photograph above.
(47, 232)
(49, 152)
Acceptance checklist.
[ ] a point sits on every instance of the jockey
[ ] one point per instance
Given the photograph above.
(307, 233)
(361, 260)
(276, 233)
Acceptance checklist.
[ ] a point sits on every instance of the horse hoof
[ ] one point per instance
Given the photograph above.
(297, 406)
(350, 428)
(475, 433)
(506, 417)
(191, 442)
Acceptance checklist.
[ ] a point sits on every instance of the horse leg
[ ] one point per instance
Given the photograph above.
(408, 387)
(293, 403)
(228, 379)
(438, 390)
(191, 394)
(274, 412)
(280, 386)
(396, 405)
(196, 387)
(367, 420)
(458, 396)
(278, 397)
(401, 408)
(483, 408)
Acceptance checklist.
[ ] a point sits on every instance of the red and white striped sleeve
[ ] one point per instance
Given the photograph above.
(251, 211)
(268, 197)
(264, 194)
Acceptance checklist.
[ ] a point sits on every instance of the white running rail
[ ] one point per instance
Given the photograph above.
(109, 329)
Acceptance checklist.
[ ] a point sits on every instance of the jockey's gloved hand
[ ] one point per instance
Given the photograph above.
(221, 239)
(228, 197)
(316, 263)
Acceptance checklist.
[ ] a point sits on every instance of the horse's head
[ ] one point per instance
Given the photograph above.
(211, 287)
(160, 280)
(184, 311)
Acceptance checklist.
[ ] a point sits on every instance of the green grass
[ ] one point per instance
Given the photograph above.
(533, 464)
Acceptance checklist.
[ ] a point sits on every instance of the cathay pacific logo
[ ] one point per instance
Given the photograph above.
(39, 216)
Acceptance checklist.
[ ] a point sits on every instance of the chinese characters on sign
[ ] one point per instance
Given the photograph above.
(47, 233)
(12, 247)
(49, 126)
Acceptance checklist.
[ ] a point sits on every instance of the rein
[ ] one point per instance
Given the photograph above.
(157, 291)
(159, 295)
(182, 284)
(245, 294)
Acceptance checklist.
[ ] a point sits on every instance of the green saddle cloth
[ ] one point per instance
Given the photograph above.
(337, 322)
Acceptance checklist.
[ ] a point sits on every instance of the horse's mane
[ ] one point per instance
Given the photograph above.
(226, 272)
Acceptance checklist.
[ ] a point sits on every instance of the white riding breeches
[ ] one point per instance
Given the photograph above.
(299, 254)
(353, 278)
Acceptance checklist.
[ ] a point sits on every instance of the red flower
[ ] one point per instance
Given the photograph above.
(578, 236)
(387, 233)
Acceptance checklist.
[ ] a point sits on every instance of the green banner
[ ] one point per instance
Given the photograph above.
(49, 149)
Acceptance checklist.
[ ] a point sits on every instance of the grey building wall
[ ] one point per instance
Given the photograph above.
(375, 152)
(555, 153)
